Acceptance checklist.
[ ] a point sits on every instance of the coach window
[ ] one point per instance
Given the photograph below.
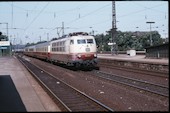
(90, 41)
(71, 42)
(81, 41)
(57, 43)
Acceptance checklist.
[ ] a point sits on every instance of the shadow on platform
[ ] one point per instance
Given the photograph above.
(10, 100)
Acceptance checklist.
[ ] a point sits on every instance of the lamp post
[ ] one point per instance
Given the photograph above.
(150, 32)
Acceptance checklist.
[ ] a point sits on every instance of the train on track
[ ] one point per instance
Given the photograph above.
(77, 49)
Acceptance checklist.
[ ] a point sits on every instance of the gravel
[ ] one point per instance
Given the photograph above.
(115, 96)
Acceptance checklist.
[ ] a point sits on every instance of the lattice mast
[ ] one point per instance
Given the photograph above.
(113, 33)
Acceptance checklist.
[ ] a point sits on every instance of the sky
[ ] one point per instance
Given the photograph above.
(30, 21)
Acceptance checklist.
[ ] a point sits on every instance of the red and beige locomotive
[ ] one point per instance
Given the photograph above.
(76, 49)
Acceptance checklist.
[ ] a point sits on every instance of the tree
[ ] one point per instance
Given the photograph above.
(128, 40)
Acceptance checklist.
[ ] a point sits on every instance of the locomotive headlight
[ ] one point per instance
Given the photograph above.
(79, 55)
(95, 55)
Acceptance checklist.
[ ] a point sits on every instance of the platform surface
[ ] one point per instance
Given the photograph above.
(137, 58)
(19, 91)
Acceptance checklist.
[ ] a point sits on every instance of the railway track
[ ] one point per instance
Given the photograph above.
(139, 84)
(69, 98)
(130, 69)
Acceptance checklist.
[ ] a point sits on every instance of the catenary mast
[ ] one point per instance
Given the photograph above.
(113, 30)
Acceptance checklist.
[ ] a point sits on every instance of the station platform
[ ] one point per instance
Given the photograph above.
(19, 91)
(137, 58)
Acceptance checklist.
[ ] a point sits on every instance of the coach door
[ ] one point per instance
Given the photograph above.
(71, 48)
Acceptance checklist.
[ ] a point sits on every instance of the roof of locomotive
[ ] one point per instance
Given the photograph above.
(78, 33)
(72, 34)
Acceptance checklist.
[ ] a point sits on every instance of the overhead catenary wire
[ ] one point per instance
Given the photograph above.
(37, 16)
(81, 17)
(27, 14)
(92, 12)
(26, 28)
(138, 11)
(68, 10)
(129, 14)
(158, 11)
(12, 19)
(88, 13)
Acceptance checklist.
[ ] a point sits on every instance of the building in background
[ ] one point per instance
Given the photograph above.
(5, 46)
(158, 51)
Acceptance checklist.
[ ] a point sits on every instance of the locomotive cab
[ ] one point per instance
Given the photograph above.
(83, 49)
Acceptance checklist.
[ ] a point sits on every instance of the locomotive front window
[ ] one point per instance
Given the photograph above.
(71, 41)
(81, 41)
(90, 41)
